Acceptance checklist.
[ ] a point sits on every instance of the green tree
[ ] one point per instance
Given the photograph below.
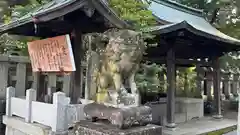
(15, 12)
(134, 11)
(223, 14)
(20, 10)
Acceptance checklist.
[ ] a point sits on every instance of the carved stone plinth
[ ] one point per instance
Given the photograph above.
(99, 128)
(123, 117)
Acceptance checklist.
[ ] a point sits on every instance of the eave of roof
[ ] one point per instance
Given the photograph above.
(51, 8)
(180, 16)
(109, 14)
(28, 18)
(175, 5)
(164, 29)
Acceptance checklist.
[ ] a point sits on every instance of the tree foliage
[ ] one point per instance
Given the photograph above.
(223, 14)
(134, 11)
(18, 11)
(14, 12)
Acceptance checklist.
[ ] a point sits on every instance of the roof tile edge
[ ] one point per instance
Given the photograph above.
(181, 7)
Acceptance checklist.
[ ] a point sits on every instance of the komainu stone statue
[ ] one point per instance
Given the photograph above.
(120, 52)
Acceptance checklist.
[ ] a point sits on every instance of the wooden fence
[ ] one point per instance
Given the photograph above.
(59, 115)
(16, 71)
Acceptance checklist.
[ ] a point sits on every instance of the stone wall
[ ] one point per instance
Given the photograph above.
(25, 112)
(185, 110)
(17, 126)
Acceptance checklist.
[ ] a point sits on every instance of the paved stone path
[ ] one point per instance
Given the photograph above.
(232, 133)
(201, 126)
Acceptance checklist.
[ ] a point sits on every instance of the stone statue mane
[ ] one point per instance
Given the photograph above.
(120, 52)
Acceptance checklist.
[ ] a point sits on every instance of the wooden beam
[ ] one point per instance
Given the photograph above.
(163, 60)
(57, 12)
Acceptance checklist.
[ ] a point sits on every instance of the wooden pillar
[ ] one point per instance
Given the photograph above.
(199, 91)
(162, 81)
(67, 84)
(38, 84)
(88, 68)
(235, 85)
(227, 85)
(4, 67)
(209, 83)
(82, 81)
(21, 79)
(52, 80)
(205, 84)
(221, 86)
(171, 81)
(75, 91)
(216, 85)
(238, 124)
(186, 84)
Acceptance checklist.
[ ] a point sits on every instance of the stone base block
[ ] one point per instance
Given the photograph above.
(100, 128)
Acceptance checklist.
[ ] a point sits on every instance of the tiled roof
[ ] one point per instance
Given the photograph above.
(56, 5)
(179, 15)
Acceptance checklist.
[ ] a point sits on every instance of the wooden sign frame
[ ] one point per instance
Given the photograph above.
(52, 55)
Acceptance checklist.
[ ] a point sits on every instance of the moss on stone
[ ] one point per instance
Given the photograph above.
(221, 131)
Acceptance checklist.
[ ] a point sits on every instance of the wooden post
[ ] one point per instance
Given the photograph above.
(82, 81)
(88, 69)
(171, 80)
(227, 85)
(66, 85)
(52, 80)
(21, 79)
(216, 84)
(3, 78)
(235, 85)
(186, 84)
(38, 85)
(209, 84)
(162, 81)
(75, 91)
(60, 124)
(49, 95)
(10, 92)
(52, 84)
(199, 91)
(238, 123)
(205, 84)
(31, 95)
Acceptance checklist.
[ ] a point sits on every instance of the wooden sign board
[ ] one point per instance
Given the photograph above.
(52, 55)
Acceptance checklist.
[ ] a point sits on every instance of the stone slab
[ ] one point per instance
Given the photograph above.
(200, 126)
(100, 128)
(20, 127)
(122, 117)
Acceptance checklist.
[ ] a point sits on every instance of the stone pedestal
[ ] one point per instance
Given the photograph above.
(100, 128)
